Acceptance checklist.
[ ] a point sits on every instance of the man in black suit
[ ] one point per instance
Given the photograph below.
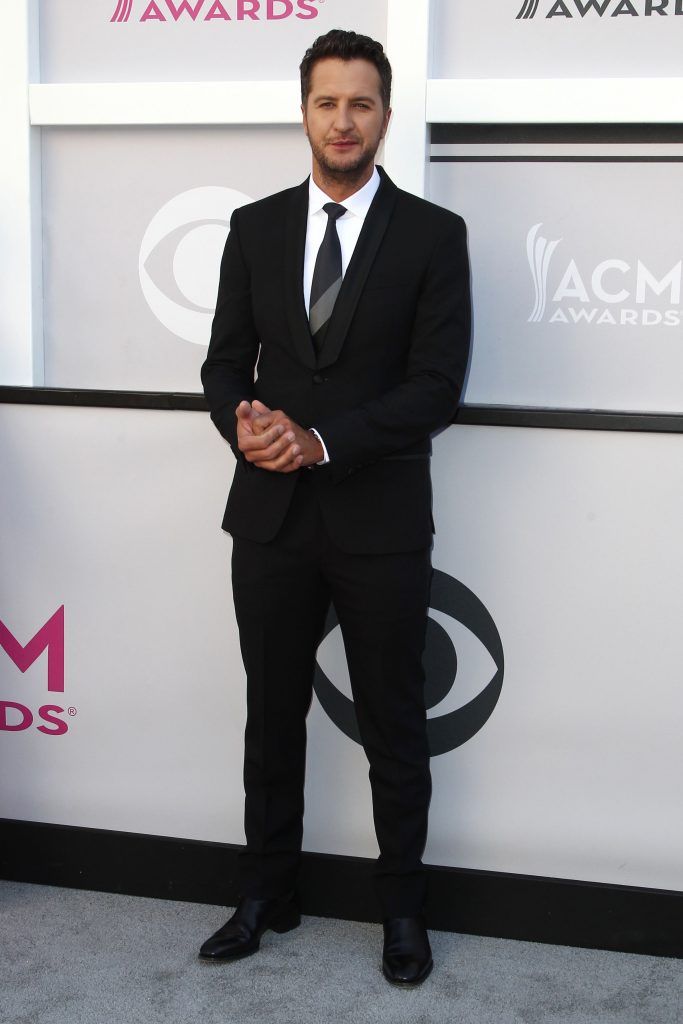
(353, 297)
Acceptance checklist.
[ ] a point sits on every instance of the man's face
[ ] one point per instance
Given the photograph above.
(344, 118)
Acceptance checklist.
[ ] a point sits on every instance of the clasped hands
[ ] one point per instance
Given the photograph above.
(272, 440)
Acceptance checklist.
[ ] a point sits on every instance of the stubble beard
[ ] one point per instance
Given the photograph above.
(347, 174)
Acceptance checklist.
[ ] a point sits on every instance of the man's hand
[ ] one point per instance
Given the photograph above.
(271, 440)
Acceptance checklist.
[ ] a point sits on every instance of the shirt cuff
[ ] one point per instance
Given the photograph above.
(326, 458)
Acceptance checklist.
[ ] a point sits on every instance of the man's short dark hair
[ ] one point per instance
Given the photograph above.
(347, 46)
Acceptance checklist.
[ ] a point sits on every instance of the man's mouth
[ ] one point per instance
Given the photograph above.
(344, 143)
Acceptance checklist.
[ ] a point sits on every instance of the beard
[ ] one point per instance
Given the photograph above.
(339, 168)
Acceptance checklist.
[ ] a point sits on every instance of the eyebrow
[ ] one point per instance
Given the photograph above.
(354, 99)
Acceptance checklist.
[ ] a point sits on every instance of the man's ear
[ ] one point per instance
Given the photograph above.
(304, 121)
(385, 126)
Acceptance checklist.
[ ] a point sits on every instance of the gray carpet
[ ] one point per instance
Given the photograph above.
(73, 956)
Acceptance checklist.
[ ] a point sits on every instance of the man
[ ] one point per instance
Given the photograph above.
(353, 297)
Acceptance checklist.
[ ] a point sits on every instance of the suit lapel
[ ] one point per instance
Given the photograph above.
(368, 243)
(295, 243)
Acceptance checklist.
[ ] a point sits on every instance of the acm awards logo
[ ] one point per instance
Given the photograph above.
(450, 730)
(610, 292)
(182, 245)
(600, 8)
(17, 716)
(215, 10)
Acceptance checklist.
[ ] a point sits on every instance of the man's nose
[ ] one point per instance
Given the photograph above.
(343, 120)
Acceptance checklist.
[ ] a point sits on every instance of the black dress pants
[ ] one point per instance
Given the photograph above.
(282, 591)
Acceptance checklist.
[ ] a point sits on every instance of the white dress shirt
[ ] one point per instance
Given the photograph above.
(348, 229)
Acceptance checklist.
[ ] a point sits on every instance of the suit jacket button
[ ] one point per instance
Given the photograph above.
(318, 378)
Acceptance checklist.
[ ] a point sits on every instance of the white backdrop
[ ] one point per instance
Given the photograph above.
(246, 40)
(577, 272)
(111, 222)
(132, 306)
(570, 39)
(569, 538)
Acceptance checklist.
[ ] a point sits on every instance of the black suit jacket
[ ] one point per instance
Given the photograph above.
(390, 373)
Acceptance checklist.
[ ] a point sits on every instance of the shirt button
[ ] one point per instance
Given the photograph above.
(318, 378)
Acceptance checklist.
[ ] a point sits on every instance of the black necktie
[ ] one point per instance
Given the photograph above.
(327, 277)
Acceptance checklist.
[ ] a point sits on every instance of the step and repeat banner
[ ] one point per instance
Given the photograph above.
(143, 213)
(557, 39)
(131, 307)
(552, 659)
(553, 653)
(191, 40)
(577, 267)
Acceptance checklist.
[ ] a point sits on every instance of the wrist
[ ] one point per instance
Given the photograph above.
(317, 450)
(324, 458)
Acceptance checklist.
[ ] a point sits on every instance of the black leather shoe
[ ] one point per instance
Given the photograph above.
(407, 956)
(241, 935)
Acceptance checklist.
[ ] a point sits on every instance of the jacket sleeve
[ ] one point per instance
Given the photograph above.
(428, 396)
(228, 372)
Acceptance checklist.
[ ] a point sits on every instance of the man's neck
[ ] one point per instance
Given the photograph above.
(341, 185)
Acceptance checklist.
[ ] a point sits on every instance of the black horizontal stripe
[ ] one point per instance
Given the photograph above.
(514, 906)
(90, 397)
(471, 415)
(569, 419)
(553, 159)
(471, 134)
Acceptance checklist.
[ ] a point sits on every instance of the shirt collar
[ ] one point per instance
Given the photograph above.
(358, 204)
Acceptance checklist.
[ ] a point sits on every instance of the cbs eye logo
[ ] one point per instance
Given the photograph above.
(453, 728)
(192, 228)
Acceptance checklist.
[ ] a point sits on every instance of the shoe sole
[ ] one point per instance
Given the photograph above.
(226, 959)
